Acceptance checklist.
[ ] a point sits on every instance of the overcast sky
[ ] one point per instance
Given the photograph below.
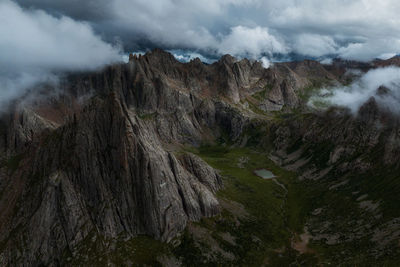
(40, 36)
(354, 29)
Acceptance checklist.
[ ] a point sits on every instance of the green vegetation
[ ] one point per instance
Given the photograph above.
(318, 152)
(344, 229)
(261, 95)
(96, 250)
(148, 116)
(256, 134)
(12, 163)
(256, 109)
(275, 213)
(308, 92)
(316, 85)
(190, 252)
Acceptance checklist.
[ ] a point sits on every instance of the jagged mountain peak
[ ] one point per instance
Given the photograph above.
(107, 158)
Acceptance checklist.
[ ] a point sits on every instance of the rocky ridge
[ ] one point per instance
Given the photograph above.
(101, 159)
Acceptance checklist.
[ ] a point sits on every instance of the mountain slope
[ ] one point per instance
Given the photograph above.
(106, 158)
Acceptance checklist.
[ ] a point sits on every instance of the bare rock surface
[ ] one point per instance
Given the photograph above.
(100, 160)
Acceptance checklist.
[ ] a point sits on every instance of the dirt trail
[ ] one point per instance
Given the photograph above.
(301, 244)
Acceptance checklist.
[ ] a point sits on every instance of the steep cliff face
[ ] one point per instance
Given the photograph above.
(108, 168)
(102, 158)
(98, 159)
(104, 171)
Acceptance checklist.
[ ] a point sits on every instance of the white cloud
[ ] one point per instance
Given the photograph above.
(358, 29)
(371, 49)
(360, 91)
(250, 41)
(34, 44)
(265, 62)
(35, 39)
(385, 56)
(184, 56)
(314, 45)
(326, 61)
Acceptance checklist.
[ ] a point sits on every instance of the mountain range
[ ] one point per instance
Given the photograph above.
(152, 163)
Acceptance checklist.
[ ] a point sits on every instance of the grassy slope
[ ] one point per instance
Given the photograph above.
(278, 218)
(275, 217)
(262, 237)
(274, 213)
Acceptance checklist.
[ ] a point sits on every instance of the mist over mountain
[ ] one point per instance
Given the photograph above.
(382, 84)
(36, 46)
(199, 133)
(65, 35)
(360, 30)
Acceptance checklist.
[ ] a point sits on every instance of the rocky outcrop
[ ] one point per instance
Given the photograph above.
(104, 172)
(230, 79)
(19, 129)
(339, 139)
(100, 160)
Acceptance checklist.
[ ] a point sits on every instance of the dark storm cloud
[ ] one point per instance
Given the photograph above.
(357, 29)
(39, 37)
(88, 10)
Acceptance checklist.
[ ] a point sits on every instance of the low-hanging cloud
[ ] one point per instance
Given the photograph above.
(47, 36)
(383, 84)
(358, 29)
(314, 45)
(251, 42)
(35, 45)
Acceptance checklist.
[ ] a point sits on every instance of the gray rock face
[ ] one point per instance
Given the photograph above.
(104, 172)
(99, 161)
(202, 171)
(346, 141)
(19, 128)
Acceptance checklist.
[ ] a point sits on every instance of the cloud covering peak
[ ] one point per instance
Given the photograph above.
(40, 37)
(34, 45)
(383, 84)
(357, 29)
(251, 42)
